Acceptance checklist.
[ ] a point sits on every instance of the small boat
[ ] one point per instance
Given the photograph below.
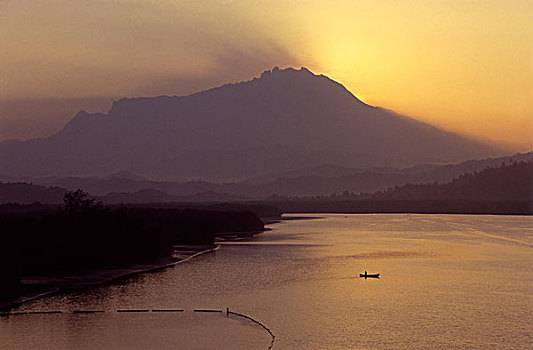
(369, 275)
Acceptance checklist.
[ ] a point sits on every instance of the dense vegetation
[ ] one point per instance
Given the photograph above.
(507, 189)
(84, 235)
(512, 181)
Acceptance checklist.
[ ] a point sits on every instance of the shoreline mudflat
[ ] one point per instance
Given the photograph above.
(86, 244)
(42, 286)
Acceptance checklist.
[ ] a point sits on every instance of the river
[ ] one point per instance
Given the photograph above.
(447, 281)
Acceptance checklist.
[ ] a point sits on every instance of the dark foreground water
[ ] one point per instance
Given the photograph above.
(448, 281)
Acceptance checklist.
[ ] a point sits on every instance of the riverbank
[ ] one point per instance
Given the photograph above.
(86, 244)
(382, 206)
(41, 286)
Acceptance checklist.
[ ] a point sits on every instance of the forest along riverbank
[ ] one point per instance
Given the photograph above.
(84, 244)
(37, 286)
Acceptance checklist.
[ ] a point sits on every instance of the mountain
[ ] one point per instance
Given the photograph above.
(447, 172)
(419, 172)
(513, 181)
(25, 193)
(125, 175)
(102, 186)
(285, 120)
(323, 170)
(155, 196)
(321, 180)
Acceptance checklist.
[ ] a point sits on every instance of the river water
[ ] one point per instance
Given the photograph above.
(447, 281)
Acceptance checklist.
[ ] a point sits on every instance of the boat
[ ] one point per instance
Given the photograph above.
(369, 275)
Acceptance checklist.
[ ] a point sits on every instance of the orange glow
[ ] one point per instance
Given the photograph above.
(461, 65)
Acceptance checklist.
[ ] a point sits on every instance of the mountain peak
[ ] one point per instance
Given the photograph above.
(277, 71)
(284, 120)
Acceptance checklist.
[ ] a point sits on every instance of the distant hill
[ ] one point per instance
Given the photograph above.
(323, 170)
(25, 193)
(420, 172)
(320, 180)
(507, 189)
(154, 196)
(285, 120)
(446, 173)
(325, 180)
(142, 196)
(512, 181)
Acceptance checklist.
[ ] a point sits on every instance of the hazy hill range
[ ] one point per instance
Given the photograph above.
(507, 189)
(284, 120)
(154, 196)
(512, 181)
(26, 193)
(320, 180)
(417, 173)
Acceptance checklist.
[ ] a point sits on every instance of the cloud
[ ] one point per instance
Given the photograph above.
(81, 48)
(224, 63)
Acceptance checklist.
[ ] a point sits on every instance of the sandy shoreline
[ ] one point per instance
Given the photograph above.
(45, 285)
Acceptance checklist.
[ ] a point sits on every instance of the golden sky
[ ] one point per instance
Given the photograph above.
(463, 65)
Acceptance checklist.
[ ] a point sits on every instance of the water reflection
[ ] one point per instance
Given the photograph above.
(452, 281)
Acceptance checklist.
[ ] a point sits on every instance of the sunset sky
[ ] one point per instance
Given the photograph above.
(462, 65)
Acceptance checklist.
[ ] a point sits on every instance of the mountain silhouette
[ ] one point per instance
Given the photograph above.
(285, 120)
(26, 193)
(512, 181)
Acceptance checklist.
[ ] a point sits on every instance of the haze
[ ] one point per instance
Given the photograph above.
(464, 66)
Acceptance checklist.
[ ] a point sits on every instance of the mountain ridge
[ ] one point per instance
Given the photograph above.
(322, 180)
(488, 183)
(284, 120)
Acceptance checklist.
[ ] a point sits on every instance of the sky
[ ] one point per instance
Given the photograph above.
(465, 66)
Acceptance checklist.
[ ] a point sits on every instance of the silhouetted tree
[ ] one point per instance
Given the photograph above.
(79, 201)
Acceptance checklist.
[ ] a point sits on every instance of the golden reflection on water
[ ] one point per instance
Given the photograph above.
(447, 281)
